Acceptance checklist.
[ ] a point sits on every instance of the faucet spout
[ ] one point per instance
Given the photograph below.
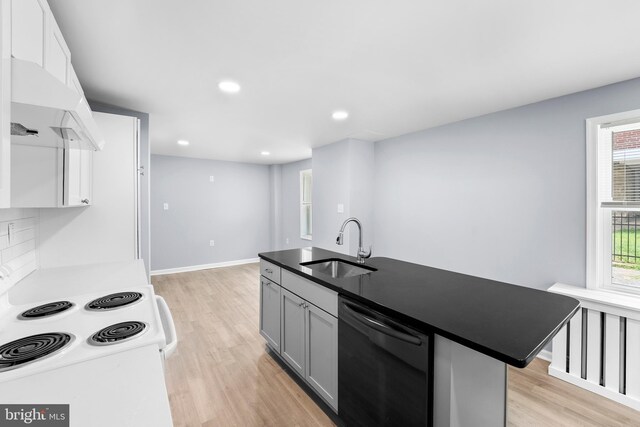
(362, 254)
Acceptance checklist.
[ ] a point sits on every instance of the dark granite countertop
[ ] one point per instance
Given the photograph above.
(507, 322)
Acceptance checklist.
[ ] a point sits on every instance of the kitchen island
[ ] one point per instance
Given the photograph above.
(478, 325)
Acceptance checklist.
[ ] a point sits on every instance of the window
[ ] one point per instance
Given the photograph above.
(613, 202)
(306, 184)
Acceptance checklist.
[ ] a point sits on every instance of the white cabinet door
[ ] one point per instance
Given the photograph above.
(57, 55)
(78, 172)
(293, 331)
(322, 353)
(36, 177)
(270, 313)
(5, 103)
(28, 19)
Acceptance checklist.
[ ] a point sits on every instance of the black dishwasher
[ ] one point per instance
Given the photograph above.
(385, 370)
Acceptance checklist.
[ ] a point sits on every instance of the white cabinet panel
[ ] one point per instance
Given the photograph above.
(575, 344)
(5, 103)
(28, 30)
(633, 355)
(74, 83)
(612, 352)
(293, 331)
(78, 177)
(36, 180)
(270, 313)
(593, 346)
(322, 354)
(58, 58)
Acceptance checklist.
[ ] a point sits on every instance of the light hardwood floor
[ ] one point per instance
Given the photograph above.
(221, 374)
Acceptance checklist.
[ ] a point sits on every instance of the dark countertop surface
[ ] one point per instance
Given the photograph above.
(507, 322)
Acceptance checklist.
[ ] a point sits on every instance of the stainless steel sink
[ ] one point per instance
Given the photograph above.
(337, 268)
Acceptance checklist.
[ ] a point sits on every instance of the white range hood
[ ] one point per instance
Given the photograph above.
(60, 115)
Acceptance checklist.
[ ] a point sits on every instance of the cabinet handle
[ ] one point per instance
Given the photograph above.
(268, 270)
(85, 201)
(266, 283)
(301, 304)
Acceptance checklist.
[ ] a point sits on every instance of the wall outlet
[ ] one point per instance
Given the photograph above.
(212, 178)
(212, 243)
(165, 206)
(340, 208)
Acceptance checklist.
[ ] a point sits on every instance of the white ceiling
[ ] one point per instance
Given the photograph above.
(396, 66)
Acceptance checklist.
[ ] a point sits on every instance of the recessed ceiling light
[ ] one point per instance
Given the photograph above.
(340, 115)
(183, 142)
(229, 87)
(265, 153)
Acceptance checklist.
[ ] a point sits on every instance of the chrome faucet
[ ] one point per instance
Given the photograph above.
(362, 255)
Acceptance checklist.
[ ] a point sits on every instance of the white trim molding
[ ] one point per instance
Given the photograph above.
(204, 266)
(596, 247)
(599, 350)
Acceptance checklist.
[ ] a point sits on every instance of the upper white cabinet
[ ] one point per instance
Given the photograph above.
(5, 103)
(35, 37)
(54, 168)
(78, 174)
(28, 23)
(50, 177)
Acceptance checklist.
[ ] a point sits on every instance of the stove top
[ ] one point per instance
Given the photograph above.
(45, 310)
(118, 333)
(113, 301)
(116, 307)
(32, 348)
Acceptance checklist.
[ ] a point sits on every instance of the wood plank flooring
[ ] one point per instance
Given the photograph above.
(221, 374)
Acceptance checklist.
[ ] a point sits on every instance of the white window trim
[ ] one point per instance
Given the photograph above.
(596, 250)
(304, 236)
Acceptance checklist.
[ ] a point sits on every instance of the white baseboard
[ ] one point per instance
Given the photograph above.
(203, 266)
(544, 355)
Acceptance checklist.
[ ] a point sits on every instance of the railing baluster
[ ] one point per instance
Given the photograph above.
(628, 236)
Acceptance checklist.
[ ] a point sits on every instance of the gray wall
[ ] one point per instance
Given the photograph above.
(145, 162)
(343, 173)
(330, 165)
(290, 214)
(275, 206)
(234, 211)
(501, 196)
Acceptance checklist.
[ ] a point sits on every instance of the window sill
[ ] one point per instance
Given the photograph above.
(597, 299)
(308, 237)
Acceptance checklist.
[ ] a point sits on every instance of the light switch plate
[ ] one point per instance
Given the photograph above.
(212, 178)
(212, 243)
(165, 206)
(340, 208)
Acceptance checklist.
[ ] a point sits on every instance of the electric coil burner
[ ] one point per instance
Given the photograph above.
(113, 301)
(45, 310)
(29, 349)
(117, 333)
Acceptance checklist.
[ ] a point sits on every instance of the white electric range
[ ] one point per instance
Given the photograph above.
(93, 337)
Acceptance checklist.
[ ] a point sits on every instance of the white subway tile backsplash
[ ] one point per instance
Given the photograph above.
(18, 245)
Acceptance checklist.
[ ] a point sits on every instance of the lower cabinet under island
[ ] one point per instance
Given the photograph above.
(390, 374)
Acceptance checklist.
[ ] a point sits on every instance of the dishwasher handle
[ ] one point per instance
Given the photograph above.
(387, 328)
